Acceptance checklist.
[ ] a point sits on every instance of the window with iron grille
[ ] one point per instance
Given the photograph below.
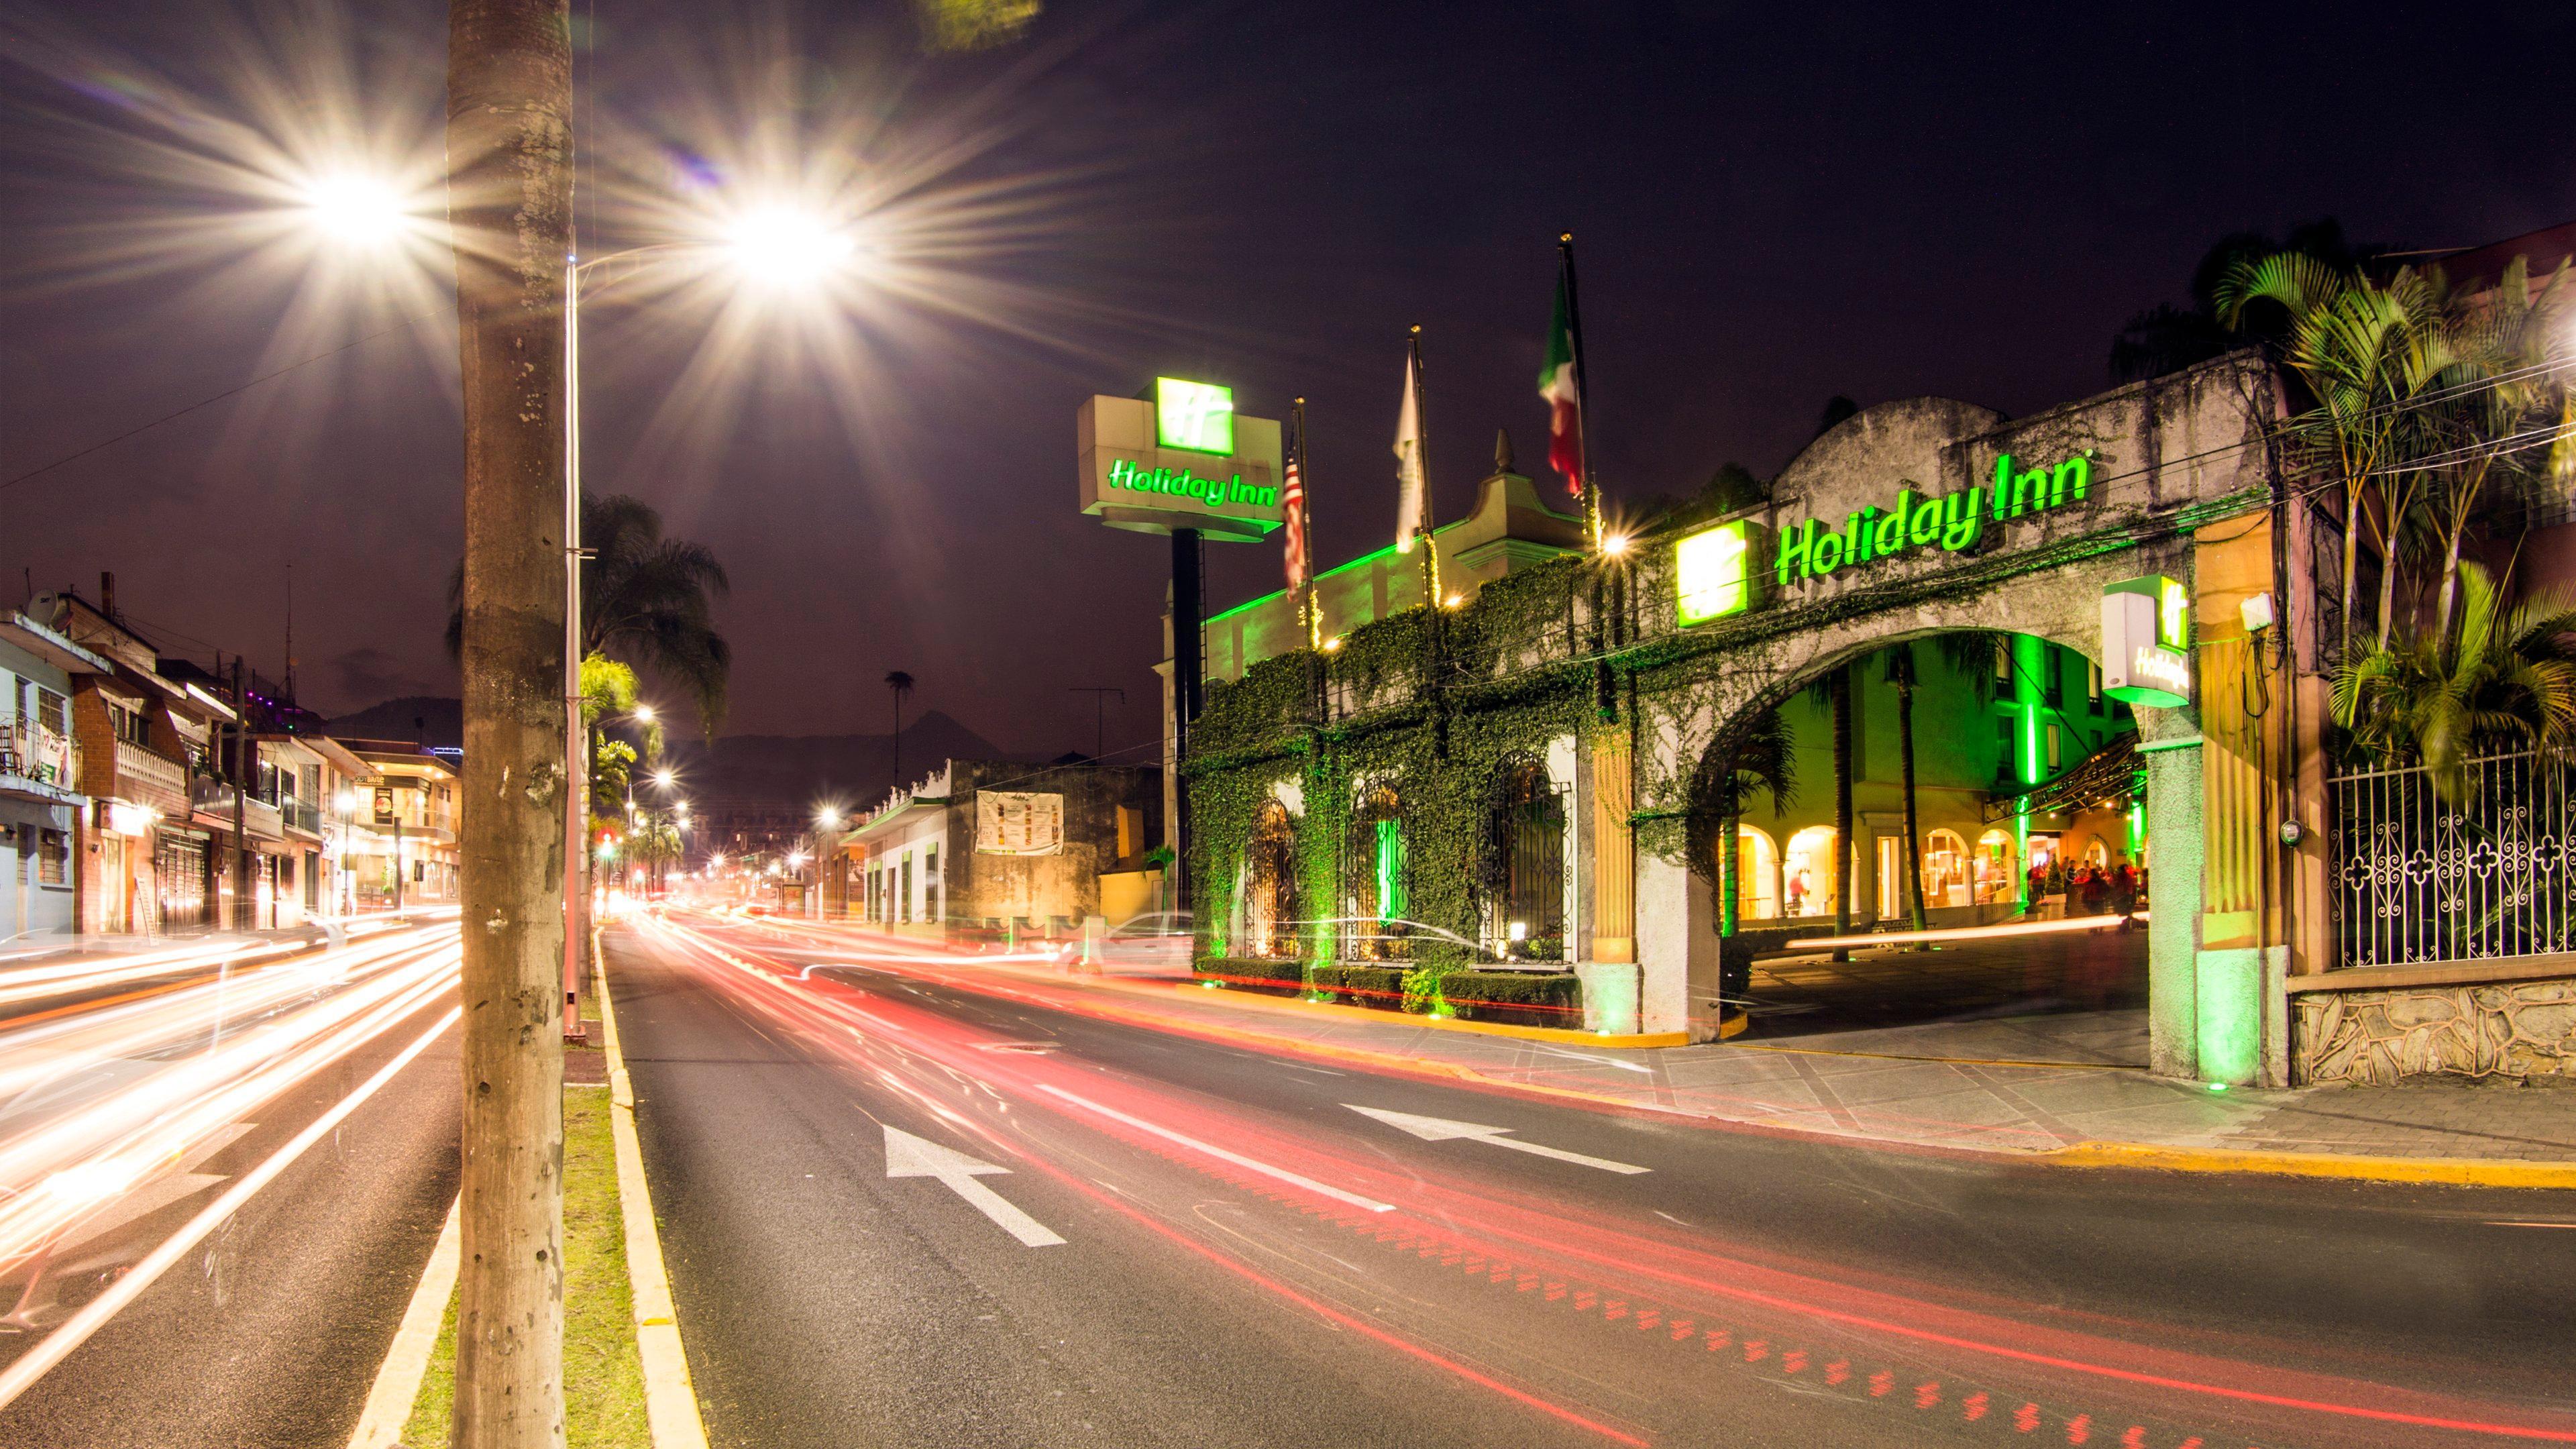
(1376, 888)
(1531, 910)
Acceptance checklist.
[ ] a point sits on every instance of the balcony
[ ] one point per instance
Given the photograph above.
(302, 819)
(146, 776)
(212, 800)
(36, 763)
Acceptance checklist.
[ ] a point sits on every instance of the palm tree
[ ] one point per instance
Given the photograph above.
(2165, 339)
(1900, 673)
(2509, 340)
(2368, 353)
(645, 599)
(2508, 680)
(901, 684)
(1834, 688)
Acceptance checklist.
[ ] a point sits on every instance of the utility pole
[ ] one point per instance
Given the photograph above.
(509, 198)
(1100, 714)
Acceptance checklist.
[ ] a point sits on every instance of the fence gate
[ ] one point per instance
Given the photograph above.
(2416, 879)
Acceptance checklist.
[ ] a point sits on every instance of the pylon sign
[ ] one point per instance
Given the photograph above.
(1180, 458)
(2146, 642)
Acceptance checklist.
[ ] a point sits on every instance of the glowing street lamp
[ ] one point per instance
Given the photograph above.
(357, 208)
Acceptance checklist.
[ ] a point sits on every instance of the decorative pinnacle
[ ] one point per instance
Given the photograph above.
(1565, 236)
(1417, 329)
(1502, 451)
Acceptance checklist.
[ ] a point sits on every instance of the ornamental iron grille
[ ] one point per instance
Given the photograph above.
(2417, 879)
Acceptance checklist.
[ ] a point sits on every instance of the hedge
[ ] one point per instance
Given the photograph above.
(1378, 986)
(1523, 998)
(1264, 974)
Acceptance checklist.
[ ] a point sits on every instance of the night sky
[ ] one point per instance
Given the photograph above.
(1773, 204)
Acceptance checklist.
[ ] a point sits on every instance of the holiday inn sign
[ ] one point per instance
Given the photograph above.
(1180, 457)
(1719, 571)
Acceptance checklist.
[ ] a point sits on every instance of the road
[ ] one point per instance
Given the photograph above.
(221, 1170)
(1267, 1250)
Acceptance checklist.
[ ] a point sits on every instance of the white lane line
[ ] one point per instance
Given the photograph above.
(407, 1362)
(910, 1156)
(1221, 1155)
(54, 1347)
(1441, 1129)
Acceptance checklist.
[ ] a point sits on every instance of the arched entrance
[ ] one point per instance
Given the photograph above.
(1928, 741)
(1270, 885)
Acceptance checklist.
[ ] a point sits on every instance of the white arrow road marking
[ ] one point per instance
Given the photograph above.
(1221, 1155)
(910, 1156)
(1441, 1129)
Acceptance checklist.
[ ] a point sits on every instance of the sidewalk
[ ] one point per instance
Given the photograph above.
(2054, 1085)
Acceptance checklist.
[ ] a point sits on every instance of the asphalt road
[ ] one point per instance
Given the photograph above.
(270, 1330)
(1245, 1259)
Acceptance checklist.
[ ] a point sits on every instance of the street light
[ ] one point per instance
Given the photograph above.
(356, 208)
(803, 259)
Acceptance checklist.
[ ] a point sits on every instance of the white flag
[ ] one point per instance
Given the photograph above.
(1413, 499)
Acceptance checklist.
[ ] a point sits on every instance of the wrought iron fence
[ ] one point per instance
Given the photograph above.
(2417, 879)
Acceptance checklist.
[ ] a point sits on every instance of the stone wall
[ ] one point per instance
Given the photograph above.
(2515, 1029)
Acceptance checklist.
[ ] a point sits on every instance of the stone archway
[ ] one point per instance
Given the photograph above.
(2102, 491)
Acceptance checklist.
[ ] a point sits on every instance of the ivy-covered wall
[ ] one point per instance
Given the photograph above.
(1425, 702)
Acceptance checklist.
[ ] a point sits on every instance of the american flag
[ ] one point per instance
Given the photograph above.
(1295, 497)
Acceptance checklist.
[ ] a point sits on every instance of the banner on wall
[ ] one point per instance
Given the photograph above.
(1016, 823)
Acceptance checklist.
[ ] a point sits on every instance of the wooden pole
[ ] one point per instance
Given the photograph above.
(509, 98)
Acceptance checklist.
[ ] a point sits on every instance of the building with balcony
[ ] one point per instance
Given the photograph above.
(40, 800)
(400, 846)
(145, 860)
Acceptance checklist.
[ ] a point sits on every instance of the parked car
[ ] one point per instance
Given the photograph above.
(1156, 943)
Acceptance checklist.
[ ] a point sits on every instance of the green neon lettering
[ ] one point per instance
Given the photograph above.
(2003, 483)
(2079, 469)
(1829, 553)
(1798, 550)
(1962, 520)
(1890, 536)
(2029, 491)
(1923, 524)
(1864, 533)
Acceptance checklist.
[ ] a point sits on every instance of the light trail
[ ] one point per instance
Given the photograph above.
(111, 1108)
(1540, 1239)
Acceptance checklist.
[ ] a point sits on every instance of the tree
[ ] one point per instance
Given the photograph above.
(2508, 681)
(901, 684)
(509, 195)
(2369, 353)
(2508, 340)
(649, 600)
(2166, 339)
(1900, 673)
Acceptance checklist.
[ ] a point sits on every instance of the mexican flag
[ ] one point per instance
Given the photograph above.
(1556, 384)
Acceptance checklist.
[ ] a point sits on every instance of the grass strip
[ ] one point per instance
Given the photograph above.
(603, 1377)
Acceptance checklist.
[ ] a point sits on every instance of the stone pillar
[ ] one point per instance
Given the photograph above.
(1614, 851)
(1676, 950)
(2173, 902)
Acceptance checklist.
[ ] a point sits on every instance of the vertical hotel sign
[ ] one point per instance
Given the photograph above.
(1180, 457)
(2146, 642)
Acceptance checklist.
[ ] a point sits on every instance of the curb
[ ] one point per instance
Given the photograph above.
(2436, 1171)
(1568, 1036)
(670, 1402)
(397, 1385)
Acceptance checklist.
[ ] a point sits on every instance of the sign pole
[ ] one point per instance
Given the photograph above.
(1186, 669)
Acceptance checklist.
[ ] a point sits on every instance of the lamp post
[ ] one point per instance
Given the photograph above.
(773, 244)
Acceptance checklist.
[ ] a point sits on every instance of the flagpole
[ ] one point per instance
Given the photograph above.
(1582, 391)
(1307, 603)
(1422, 461)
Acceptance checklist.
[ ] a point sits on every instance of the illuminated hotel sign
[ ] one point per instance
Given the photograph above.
(1715, 572)
(1195, 416)
(1811, 550)
(1180, 457)
(2146, 642)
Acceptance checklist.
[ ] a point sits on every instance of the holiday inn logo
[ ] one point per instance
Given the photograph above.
(1183, 483)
